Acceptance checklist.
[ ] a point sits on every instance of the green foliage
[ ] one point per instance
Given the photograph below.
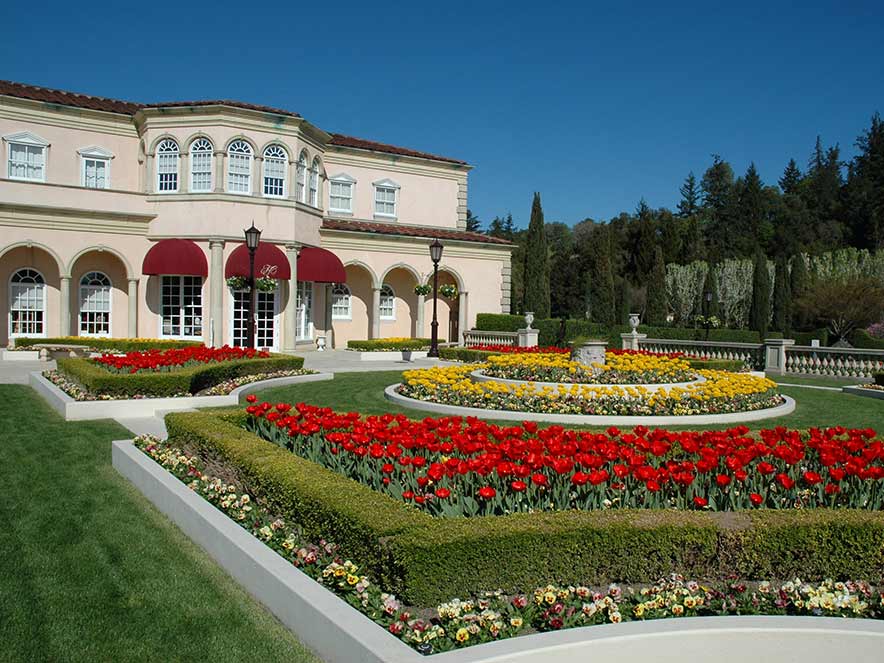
(107, 344)
(473, 223)
(759, 311)
(189, 380)
(710, 305)
(844, 305)
(878, 378)
(799, 283)
(656, 305)
(716, 364)
(860, 338)
(791, 178)
(467, 355)
(602, 300)
(689, 204)
(385, 344)
(782, 297)
(537, 298)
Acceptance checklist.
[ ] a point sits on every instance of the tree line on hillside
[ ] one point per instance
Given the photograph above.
(604, 269)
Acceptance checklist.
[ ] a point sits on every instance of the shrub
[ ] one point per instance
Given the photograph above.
(390, 344)
(862, 339)
(98, 380)
(805, 338)
(716, 364)
(878, 378)
(469, 355)
(108, 344)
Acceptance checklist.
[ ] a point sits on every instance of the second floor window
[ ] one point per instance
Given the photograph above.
(340, 195)
(27, 162)
(314, 183)
(96, 173)
(201, 165)
(167, 166)
(239, 167)
(275, 163)
(385, 201)
(301, 177)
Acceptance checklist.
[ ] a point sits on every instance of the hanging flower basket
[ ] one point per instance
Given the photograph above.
(242, 283)
(264, 284)
(448, 291)
(237, 282)
(422, 290)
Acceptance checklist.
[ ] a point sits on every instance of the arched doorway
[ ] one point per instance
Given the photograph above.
(351, 305)
(398, 302)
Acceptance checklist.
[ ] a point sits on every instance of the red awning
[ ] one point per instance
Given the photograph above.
(175, 256)
(270, 262)
(320, 265)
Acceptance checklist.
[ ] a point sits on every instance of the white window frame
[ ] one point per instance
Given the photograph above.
(301, 178)
(95, 153)
(41, 310)
(248, 152)
(110, 303)
(201, 141)
(181, 308)
(275, 153)
(341, 309)
(315, 183)
(164, 149)
(341, 179)
(30, 141)
(391, 297)
(386, 185)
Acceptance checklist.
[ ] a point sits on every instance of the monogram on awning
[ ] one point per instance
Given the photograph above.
(270, 262)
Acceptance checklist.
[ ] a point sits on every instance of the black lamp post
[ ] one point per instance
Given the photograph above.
(435, 256)
(253, 237)
(706, 322)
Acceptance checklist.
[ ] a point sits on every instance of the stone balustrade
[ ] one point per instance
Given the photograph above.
(834, 362)
(751, 354)
(477, 337)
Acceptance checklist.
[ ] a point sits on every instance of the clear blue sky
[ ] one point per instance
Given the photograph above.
(591, 104)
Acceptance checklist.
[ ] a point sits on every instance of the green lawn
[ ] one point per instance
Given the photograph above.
(814, 381)
(363, 392)
(90, 571)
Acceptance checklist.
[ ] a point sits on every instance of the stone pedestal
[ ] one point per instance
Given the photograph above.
(590, 352)
(630, 341)
(775, 354)
(528, 338)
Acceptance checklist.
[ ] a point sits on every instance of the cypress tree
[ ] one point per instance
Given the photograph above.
(759, 313)
(624, 302)
(537, 264)
(799, 283)
(710, 285)
(782, 299)
(657, 307)
(602, 279)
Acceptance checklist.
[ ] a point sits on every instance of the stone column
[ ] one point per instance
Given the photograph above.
(290, 313)
(461, 317)
(292, 190)
(419, 323)
(375, 316)
(132, 330)
(775, 354)
(216, 291)
(149, 184)
(64, 325)
(183, 173)
(258, 176)
(219, 172)
(329, 328)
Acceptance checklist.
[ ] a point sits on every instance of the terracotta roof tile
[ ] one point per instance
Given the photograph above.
(362, 144)
(64, 98)
(411, 231)
(223, 102)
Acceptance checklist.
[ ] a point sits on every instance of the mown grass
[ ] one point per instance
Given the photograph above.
(90, 571)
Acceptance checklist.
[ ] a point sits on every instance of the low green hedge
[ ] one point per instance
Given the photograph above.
(458, 353)
(384, 344)
(878, 378)
(716, 364)
(863, 339)
(191, 379)
(115, 344)
(427, 560)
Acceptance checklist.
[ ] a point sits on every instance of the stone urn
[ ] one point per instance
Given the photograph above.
(589, 352)
(529, 318)
(634, 319)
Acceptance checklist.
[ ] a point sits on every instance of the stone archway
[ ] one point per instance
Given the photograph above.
(46, 300)
(90, 304)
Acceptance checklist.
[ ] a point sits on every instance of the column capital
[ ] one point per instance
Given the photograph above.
(132, 279)
(216, 241)
(65, 277)
(293, 248)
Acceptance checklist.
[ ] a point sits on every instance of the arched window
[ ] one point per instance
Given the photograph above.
(167, 166)
(387, 307)
(201, 152)
(314, 183)
(27, 303)
(239, 167)
(302, 178)
(341, 302)
(95, 304)
(275, 162)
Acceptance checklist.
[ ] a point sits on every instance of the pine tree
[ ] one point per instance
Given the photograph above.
(799, 284)
(709, 306)
(750, 226)
(759, 312)
(657, 305)
(718, 201)
(689, 204)
(644, 243)
(602, 279)
(537, 264)
(473, 223)
(791, 178)
(864, 193)
(782, 299)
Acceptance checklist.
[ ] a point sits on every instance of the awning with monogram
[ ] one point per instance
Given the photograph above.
(270, 262)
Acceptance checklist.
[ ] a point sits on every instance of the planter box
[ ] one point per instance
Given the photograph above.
(390, 355)
(137, 408)
(19, 355)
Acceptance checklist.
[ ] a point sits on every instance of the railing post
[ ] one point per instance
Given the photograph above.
(631, 340)
(775, 354)
(528, 338)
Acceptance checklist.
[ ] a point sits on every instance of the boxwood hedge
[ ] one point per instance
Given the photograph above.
(385, 344)
(191, 379)
(109, 344)
(426, 560)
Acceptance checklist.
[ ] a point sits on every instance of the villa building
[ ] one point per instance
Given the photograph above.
(126, 219)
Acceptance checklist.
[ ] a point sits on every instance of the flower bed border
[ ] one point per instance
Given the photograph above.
(479, 376)
(859, 390)
(339, 632)
(388, 355)
(130, 408)
(392, 395)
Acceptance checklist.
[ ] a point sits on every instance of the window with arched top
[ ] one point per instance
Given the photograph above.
(27, 303)
(301, 178)
(95, 304)
(239, 167)
(387, 306)
(314, 183)
(167, 158)
(201, 153)
(275, 162)
(341, 309)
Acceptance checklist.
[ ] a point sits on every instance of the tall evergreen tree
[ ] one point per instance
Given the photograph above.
(864, 193)
(709, 305)
(644, 241)
(473, 223)
(671, 235)
(537, 297)
(656, 304)
(799, 285)
(791, 178)
(718, 200)
(750, 224)
(759, 312)
(782, 298)
(624, 301)
(602, 278)
(689, 204)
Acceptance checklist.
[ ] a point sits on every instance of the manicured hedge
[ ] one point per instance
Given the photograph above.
(191, 379)
(382, 344)
(117, 344)
(426, 560)
(457, 353)
(878, 378)
(716, 364)
(862, 339)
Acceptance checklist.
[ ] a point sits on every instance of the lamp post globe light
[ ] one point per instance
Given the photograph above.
(435, 256)
(253, 237)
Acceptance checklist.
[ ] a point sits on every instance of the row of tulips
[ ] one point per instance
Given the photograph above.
(515, 349)
(494, 615)
(165, 360)
(463, 467)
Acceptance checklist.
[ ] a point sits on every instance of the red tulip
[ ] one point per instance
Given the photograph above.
(518, 486)
(755, 498)
(443, 493)
(701, 502)
(539, 479)
(487, 492)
